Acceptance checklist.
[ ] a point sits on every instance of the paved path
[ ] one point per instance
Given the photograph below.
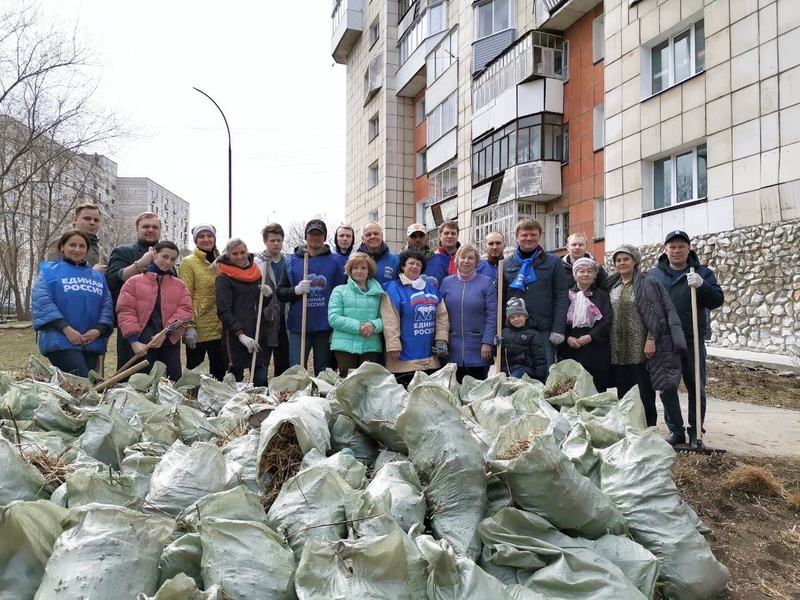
(747, 428)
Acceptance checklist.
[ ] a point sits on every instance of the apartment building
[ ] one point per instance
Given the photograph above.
(702, 100)
(467, 110)
(140, 194)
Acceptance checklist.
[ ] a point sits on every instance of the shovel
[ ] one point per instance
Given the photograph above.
(495, 368)
(258, 323)
(697, 447)
(303, 315)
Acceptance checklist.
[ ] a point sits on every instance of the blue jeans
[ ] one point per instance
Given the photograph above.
(672, 407)
(319, 341)
(77, 362)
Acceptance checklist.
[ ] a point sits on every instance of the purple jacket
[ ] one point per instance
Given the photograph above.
(472, 310)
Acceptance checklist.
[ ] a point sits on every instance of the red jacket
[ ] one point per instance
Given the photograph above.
(138, 299)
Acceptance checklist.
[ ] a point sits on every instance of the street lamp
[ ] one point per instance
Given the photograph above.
(230, 172)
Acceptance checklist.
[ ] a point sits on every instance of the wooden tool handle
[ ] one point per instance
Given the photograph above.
(499, 312)
(698, 409)
(303, 318)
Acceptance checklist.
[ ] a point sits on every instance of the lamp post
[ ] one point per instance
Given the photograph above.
(230, 172)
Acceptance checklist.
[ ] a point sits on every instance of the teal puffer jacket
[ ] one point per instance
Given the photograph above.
(348, 308)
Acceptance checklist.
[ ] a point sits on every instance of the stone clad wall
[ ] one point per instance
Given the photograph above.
(759, 270)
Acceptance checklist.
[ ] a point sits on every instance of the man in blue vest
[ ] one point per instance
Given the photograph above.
(443, 261)
(324, 274)
(372, 244)
(495, 243)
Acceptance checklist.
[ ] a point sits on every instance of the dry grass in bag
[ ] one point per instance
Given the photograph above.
(281, 461)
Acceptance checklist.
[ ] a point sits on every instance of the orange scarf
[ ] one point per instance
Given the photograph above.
(246, 274)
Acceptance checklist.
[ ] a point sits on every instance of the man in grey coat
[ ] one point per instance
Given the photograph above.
(679, 270)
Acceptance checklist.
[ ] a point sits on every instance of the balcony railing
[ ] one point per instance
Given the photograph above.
(553, 5)
(536, 54)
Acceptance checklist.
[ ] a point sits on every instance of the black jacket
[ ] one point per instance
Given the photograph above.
(709, 295)
(596, 355)
(546, 298)
(662, 322)
(566, 260)
(523, 348)
(237, 309)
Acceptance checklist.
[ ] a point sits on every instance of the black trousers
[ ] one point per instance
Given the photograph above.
(476, 372)
(281, 353)
(216, 358)
(170, 355)
(627, 376)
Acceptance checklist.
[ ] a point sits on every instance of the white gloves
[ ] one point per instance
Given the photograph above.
(556, 338)
(303, 287)
(249, 343)
(266, 291)
(190, 338)
(694, 280)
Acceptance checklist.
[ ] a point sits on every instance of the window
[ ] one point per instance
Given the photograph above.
(562, 143)
(374, 32)
(443, 118)
(373, 216)
(372, 175)
(598, 39)
(538, 137)
(443, 182)
(422, 167)
(558, 229)
(599, 218)
(562, 62)
(501, 217)
(373, 127)
(677, 58)
(433, 21)
(442, 57)
(599, 136)
(402, 8)
(419, 111)
(493, 17)
(680, 177)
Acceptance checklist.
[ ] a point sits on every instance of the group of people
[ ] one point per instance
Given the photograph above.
(410, 312)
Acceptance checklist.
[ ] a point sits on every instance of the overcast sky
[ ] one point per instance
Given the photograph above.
(267, 64)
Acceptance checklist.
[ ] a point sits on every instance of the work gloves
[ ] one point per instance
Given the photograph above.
(498, 339)
(440, 349)
(266, 290)
(249, 343)
(694, 280)
(303, 287)
(190, 338)
(556, 338)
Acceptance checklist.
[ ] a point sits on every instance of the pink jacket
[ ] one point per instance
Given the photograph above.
(138, 299)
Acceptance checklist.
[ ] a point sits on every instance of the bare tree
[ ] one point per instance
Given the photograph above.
(48, 118)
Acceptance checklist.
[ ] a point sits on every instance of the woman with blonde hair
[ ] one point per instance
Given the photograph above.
(196, 272)
(471, 301)
(354, 315)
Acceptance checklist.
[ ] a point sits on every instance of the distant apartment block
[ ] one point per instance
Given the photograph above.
(140, 194)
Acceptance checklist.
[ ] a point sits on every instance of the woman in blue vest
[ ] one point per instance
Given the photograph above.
(415, 324)
(72, 308)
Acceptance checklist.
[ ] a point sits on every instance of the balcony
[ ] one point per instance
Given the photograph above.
(560, 14)
(533, 56)
(348, 23)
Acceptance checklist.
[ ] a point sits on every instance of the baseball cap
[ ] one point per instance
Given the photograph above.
(317, 224)
(677, 234)
(416, 228)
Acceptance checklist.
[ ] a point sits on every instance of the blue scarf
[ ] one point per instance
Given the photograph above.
(526, 274)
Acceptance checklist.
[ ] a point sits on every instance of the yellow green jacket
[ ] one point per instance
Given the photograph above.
(199, 277)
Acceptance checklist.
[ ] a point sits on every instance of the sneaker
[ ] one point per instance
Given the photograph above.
(693, 441)
(676, 438)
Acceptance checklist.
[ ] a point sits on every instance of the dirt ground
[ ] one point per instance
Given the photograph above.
(756, 533)
(752, 385)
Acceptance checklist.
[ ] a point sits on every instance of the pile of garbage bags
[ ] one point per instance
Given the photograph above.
(327, 488)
